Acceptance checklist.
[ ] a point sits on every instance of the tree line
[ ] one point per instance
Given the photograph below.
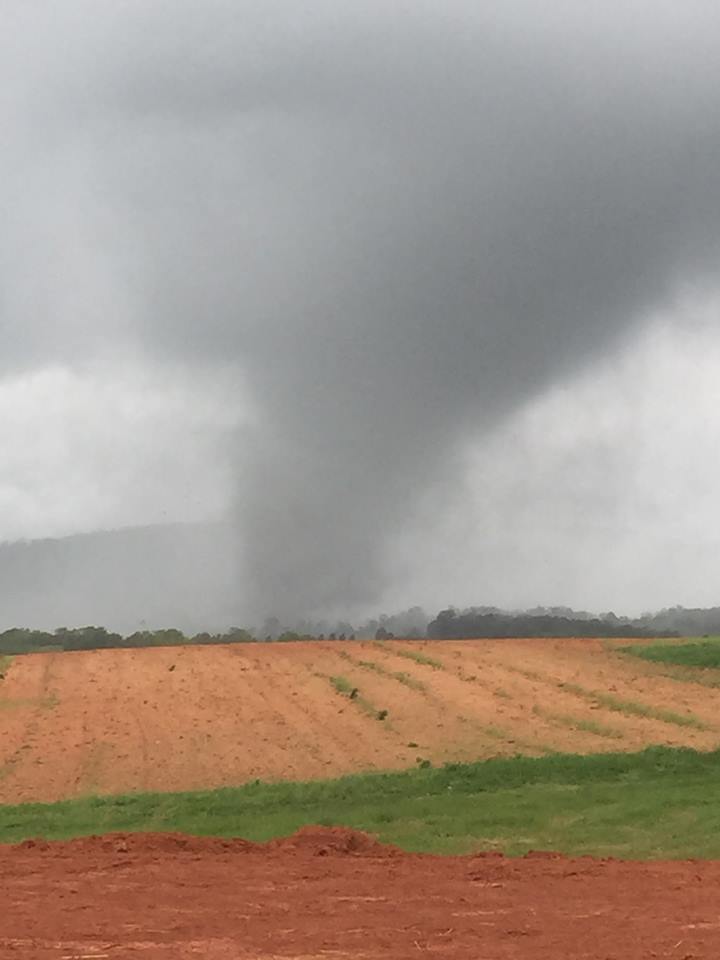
(449, 624)
(454, 625)
(20, 640)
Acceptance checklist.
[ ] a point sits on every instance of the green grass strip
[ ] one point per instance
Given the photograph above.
(343, 686)
(571, 722)
(658, 803)
(382, 671)
(633, 708)
(703, 653)
(413, 655)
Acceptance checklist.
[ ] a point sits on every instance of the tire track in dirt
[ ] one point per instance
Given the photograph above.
(564, 719)
(326, 733)
(577, 718)
(478, 721)
(27, 697)
(579, 669)
(449, 732)
(380, 740)
(229, 716)
(404, 705)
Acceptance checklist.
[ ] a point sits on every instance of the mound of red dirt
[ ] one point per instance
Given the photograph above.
(312, 841)
(140, 844)
(321, 841)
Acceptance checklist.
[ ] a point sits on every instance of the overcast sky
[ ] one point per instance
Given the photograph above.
(424, 296)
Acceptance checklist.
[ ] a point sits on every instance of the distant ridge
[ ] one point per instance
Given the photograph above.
(188, 576)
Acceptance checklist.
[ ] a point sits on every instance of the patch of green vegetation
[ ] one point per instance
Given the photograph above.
(658, 665)
(412, 655)
(599, 729)
(704, 653)
(530, 674)
(633, 708)
(382, 671)
(400, 676)
(5, 662)
(494, 732)
(577, 690)
(578, 723)
(343, 686)
(658, 803)
(704, 676)
(44, 703)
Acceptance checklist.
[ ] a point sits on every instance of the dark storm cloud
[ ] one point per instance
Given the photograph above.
(398, 220)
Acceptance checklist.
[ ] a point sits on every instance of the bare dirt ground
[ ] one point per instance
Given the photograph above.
(111, 721)
(336, 894)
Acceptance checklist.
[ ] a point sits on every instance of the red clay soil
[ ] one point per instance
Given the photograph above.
(188, 718)
(337, 894)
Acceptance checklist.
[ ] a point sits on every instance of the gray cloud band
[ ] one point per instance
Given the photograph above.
(398, 223)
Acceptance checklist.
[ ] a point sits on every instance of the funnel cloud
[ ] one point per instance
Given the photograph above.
(392, 224)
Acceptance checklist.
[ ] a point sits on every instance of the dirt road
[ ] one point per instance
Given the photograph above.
(336, 894)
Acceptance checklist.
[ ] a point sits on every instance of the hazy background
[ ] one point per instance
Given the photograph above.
(422, 300)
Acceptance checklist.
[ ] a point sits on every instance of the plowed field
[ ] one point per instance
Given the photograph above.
(335, 894)
(111, 721)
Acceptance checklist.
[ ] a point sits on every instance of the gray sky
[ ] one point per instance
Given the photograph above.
(423, 294)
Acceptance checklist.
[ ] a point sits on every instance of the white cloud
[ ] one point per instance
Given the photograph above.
(112, 447)
(601, 493)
